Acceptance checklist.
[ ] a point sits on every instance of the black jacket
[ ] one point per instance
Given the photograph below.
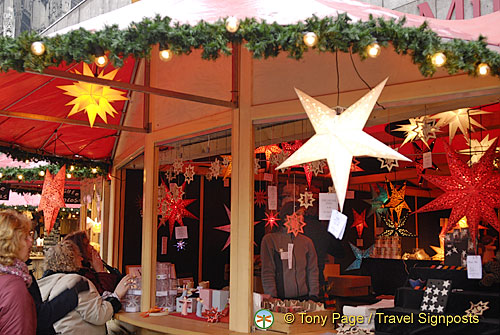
(52, 311)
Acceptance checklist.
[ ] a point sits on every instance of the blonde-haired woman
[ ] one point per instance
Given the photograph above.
(90, 315)
(17, 309)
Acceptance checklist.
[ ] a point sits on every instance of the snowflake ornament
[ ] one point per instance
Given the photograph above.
(260, 198)
(317, 167)
(256, 166)
(215, 168)
(181, 245)
(295, 224)
(189, 174)
(178, 165)
(306, 199)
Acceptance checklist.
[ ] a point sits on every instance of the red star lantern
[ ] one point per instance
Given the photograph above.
(268, 150)
(291, 148)
(295, 224)
(260, 198)
(473, 192)
(271, 219)
(173, 208)
(359, 222)
(52, 197)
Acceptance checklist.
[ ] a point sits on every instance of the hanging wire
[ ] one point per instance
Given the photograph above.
(360, 77)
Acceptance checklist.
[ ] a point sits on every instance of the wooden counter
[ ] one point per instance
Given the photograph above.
(183, 326)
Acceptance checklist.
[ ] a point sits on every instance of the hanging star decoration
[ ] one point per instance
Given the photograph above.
(177, 190)
(215, 169)
(459, 119)
(92, 98)
(395, 228)
(359, 255)
(268, 150)
(377, 201)
(419, 160)
(227, 228)
(181, 245)
(290, 149)
(256, 166)
(318, 166)
(477, 149)
(355, 166)
(477, 309)
(359, 222)
(388, 163)
(420, 128)
(52, 198)
(397, 201)
(340, 137)
(271, 219)
(295, 224)
(227, 163)
(178, 165)
(473, 192)
(439, 256)
(260, 198)
(169, 175)
(173, 208)
(306, 199)
(189, 174)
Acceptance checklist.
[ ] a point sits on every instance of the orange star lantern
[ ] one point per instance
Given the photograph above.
(397, 201)
(295, 224)
(52, 197)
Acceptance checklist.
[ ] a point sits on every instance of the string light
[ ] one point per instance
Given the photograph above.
(232, 24)
(483, 69)
(94, 170)
(72, 168)
(41, 173)
(310, 39)
(100, 57)
(20, 177)
(27, 161)
(438, 59)
(373, 50)
(37, 48)
(165, 53)
(68, 175)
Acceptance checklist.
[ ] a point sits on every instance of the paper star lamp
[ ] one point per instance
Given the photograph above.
(377, 201)
(215, 169)
(477, 149)
(439, 256)
(178, 165)
(359, 222)
(340, 137)
(295, 224)
(422, 128)
(189, 174)
(271, 219)
(459, 119)
(388, 163)
(173, 209)
(395, 228)
(92, 98)
(52, 198)
(306, 199)
(359, 255)
(473, 192)
(227, 228)
(477, 309)
(268, 150)
(227, 162)
(260, 198)
(397, 201)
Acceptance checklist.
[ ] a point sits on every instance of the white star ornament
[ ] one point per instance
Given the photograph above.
(340, 137)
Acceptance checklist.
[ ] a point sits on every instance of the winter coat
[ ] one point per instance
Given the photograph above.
(17, 310)
(51, 311)
(92, 312)
(301, 281)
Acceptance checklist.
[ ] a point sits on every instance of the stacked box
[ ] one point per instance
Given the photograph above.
(387, 247)
(220, 299)
(206, 296)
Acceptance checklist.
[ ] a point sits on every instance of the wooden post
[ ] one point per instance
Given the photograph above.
(416, 222)
(242, 188)
(200, 246)
(149, 222)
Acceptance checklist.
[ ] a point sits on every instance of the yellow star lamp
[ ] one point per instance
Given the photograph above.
(92, 98)
(339, 138)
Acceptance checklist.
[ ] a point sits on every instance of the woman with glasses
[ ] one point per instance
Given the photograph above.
(17, 309)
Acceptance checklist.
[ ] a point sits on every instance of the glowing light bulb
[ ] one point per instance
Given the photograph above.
(1, 175)
(94, 170)
(41, 173)
(101, 61)
(37, 48)
(438, 59)
(68, 175)
(483, 69)
(20, 176)
(166, 55)
(232, 24)
(72, 168)
(373, 50)
(310, 39)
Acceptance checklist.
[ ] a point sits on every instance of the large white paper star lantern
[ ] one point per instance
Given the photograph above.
(477, 148)
(459, 119)
(340, 137)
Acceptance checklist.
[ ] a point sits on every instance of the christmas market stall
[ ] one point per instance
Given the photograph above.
(208, 120)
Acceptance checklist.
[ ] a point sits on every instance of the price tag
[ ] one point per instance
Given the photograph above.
(359, 242)
(272, 200)
(290, 255)
(268, 177)
(181, 232)
(164, 245)
(337, 224)
(327, 203)
(427, 160)
(474, 267)
(349, 195)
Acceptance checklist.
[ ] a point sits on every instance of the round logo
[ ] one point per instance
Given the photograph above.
(263, 319)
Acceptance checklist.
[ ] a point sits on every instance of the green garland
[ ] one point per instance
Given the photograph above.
(31, 174)
(262, 39)
(20, 155)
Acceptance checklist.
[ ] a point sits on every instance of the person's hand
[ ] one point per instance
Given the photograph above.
(81, 286)
(97, 261)
(122, 287)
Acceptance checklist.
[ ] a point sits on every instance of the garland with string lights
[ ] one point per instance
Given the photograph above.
(328, 34)
(38, 173)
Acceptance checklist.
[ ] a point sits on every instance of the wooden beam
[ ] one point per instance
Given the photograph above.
(46, 118)
(136, 87)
